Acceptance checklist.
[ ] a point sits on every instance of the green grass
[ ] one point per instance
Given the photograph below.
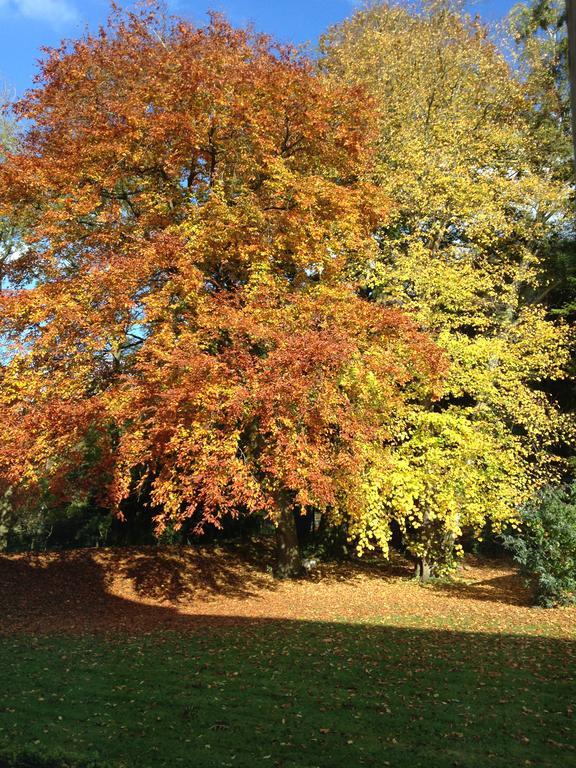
(290, 695)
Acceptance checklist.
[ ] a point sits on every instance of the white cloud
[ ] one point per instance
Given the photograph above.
(55, 12)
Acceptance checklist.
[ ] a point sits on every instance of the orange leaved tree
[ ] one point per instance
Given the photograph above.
(177, 310)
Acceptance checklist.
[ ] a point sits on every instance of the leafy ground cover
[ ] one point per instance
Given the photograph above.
(133, 658)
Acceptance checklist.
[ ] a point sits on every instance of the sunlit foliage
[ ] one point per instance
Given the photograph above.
(182, 310)
(471, 210)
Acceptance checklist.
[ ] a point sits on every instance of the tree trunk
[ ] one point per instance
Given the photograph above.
(423, 570)
(423, 567)
(289, 562)
(571, 24)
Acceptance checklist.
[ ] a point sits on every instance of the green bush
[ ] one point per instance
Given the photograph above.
(545, 545)
(40, 525)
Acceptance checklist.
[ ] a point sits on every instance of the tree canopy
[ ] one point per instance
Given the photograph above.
(181, 309)
(463, 252)
(242, 282)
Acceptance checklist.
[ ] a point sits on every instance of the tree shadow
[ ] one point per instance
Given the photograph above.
(492, 586)
(62, 581)
(509, 590)
(349, 570)
(148, 588)
(103, 591)
(110, 677)
(184, 574)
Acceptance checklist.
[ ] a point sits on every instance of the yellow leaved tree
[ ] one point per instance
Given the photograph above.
(461, 252)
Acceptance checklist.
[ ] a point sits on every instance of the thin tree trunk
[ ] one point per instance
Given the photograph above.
(423, 569)
(289, 561)
(571, 23)
(423, 566)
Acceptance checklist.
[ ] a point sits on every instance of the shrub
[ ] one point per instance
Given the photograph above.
(545, 545)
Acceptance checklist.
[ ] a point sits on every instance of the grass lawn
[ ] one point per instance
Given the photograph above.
(167, 657)
(290, 694)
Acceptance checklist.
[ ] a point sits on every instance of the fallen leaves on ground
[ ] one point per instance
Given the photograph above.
(146, 589)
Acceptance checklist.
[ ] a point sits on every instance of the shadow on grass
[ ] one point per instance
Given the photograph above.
(71, 591)
(349, 570)
(493, 581)
(115, 589)
(508, 589)
(181, 574)
(169, 689)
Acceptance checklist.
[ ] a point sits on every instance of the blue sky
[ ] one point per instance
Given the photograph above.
(26, 25)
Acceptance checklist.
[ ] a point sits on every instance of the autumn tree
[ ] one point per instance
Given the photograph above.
(181, 318)
(571, 29)
(463, 250)
(8, 140)
(539, 33)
